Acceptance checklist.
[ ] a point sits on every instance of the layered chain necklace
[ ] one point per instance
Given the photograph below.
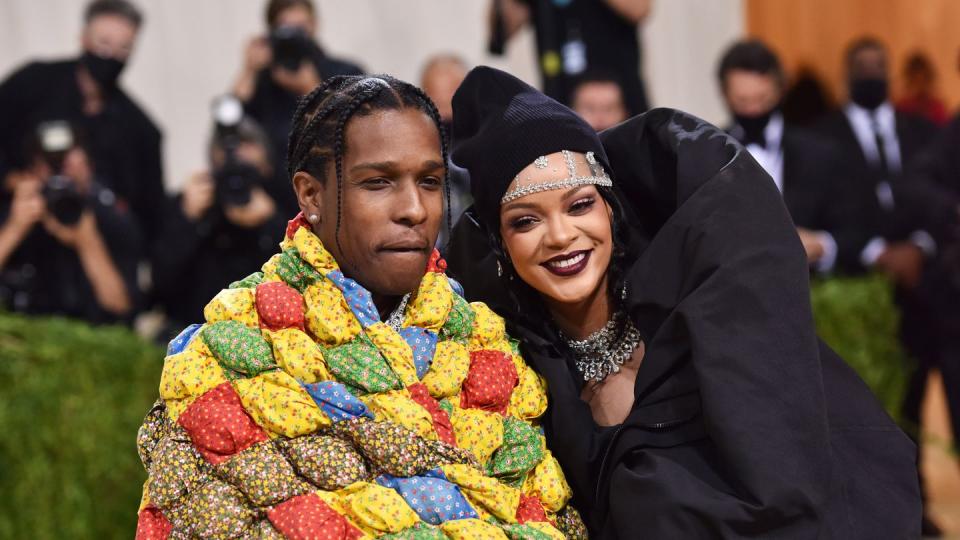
(604, 351)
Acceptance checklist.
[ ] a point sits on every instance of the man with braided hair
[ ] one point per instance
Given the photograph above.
(347, 390)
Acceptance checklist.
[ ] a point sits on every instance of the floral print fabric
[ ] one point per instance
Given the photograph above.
(295, 412)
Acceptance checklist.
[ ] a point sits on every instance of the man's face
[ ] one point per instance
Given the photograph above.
(440, 82)
(110, 36)
(392, 200)
(297, 17)
(600, 104)
(750, 94)
(868, 63)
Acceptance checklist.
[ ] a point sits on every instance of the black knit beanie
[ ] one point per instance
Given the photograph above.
(500, 125)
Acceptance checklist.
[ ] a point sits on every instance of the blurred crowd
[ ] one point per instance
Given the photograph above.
(87, 231)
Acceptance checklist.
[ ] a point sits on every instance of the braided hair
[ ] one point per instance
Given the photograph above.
(317, 136)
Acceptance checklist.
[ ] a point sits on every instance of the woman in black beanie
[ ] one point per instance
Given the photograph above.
(658, 285)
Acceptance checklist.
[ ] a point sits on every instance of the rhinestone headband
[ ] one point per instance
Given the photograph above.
(598, 177)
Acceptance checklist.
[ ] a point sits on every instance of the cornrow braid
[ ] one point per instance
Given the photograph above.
(321, 117)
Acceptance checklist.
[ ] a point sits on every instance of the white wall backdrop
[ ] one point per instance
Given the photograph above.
(190, 50)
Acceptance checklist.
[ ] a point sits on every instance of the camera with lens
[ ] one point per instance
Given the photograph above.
(291, 46)
(63, 199)
(234, 178)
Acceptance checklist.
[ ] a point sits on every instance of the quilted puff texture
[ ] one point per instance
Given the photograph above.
(152, 525)
(490, 382)
(326, 461)
(448, 370)
(280, 405)
(328, 318)
(432, 497)
(337, 402)
(219, 426)
(179, 343)
(288, 267)
(460, 319)
(307, 517)
(358, 299)
(239, 348)
(297, 354)
(522, 449)
(188, 375)
(376, 509)
(360, 365)
(423, 344)
(431, 305)
(232, 305)
(294, 412)
(279, 306)
(263, 475)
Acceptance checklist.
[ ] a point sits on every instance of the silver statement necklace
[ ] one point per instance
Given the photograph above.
(604, 351)
(395, 320)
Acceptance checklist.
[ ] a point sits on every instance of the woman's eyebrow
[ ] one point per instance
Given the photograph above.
(515, 205)
(572, 192)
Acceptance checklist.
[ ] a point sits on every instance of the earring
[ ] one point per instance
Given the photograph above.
(623, 291)
(313, 218)
(499, 270)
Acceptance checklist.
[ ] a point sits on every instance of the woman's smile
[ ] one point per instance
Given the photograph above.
(568, 264)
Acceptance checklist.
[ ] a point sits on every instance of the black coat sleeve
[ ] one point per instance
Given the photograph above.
(19, 95)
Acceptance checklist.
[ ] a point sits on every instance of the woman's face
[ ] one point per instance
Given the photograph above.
(559, 241)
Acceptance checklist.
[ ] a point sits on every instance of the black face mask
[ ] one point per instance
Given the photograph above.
(105, 71)
(753, 127)
(868, 93)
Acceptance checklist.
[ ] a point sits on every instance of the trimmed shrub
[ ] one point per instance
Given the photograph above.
(858, 319)
(73, 397)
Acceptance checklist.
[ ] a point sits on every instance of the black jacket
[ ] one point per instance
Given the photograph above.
(122, 141)
(744, 425)
(914, 135)
(819, 195)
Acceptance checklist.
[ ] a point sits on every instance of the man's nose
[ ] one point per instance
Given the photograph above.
(409, 206)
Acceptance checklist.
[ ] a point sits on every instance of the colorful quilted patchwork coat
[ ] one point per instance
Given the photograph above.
(294, 412)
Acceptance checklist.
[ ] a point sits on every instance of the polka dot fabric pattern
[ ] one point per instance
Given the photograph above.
(294, 412)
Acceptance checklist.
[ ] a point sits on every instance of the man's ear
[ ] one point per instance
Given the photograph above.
(310, 193)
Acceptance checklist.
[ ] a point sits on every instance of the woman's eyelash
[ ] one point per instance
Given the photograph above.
(522, 222)
(582, 203)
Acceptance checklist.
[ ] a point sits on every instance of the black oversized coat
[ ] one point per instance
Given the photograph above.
(744, 425)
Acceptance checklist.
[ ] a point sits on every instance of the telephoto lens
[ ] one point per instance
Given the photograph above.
(234, 178)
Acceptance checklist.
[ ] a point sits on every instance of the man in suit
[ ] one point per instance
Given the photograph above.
(879, 144)
(808, 172)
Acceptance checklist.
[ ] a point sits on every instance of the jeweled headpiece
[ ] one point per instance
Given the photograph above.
(523, 187)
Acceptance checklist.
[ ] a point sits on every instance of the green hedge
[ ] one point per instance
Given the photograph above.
(72, 399)
(858, 319)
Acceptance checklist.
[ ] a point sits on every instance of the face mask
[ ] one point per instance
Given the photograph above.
(105, 71)
(868, 93)
(753, 127)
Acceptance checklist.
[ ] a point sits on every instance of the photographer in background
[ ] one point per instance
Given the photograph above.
(279, 68)
(223, 225)
(123, 144)
(68, 246)
(597, 97)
